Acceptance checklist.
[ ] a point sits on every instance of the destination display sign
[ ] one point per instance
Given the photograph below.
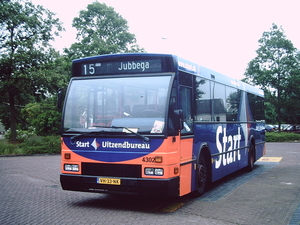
(114, 67)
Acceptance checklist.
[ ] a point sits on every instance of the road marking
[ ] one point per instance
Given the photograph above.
(221, 188)
(171, 207)
(270, 159)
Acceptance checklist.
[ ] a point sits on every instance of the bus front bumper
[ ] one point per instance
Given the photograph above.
(139, 186)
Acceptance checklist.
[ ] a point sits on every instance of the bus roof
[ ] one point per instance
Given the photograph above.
(193, 68)
(175, 64)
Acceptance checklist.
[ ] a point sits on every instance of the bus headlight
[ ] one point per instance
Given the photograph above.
(154, 171)
(71, 167)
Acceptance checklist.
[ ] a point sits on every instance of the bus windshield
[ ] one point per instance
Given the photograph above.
(137, 103)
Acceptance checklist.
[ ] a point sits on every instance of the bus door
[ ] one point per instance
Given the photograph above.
(186, 138)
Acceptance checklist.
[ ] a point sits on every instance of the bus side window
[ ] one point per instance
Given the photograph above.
(218, 102)
(186, 105)
(233, 97)
(203, 101)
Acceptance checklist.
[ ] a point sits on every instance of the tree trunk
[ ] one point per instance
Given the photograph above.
(13, 119)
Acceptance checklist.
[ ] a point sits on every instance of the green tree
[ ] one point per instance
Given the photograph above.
(25, 33)
(270, 110)
(274, 69)
(101, 30)
(291, 109)
(44, 117)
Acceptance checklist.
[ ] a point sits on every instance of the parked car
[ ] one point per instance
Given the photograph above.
(269, 128)
(292, 129)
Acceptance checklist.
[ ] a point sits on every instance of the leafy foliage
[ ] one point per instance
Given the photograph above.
(32, 145)
(101, 30)
(26, 58)
(42, 145)
(276, 70)
(44, 117)
(22, 135)
(282, 137)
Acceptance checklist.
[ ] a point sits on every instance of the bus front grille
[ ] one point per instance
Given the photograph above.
(114, 170)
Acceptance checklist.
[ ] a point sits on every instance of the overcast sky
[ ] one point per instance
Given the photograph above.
(221, 35)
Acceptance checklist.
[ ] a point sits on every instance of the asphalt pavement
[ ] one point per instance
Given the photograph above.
(30, 193)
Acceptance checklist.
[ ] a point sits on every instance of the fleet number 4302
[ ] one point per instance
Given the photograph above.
(148, 159)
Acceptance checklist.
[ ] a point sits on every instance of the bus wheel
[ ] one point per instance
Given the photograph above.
(202, 175)
(251, 156)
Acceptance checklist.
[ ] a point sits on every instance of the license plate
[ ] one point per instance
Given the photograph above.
(110, 181)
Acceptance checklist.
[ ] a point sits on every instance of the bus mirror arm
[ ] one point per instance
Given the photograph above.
(178, 119)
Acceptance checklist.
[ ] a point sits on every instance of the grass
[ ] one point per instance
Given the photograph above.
(51, 144)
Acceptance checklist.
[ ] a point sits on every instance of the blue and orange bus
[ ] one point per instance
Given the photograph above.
(156, 124)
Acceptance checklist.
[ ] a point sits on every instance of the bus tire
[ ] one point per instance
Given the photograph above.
(251, 157)
(202, 175)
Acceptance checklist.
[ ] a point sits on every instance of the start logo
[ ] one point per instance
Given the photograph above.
(227, 144)
(95, 144)
(81, 144)
(87, 144)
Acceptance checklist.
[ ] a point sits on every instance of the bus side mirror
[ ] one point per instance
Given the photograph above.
(178, 123)
(60, 97)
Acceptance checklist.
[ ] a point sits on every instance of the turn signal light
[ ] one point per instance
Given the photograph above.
(176, 170)
(158, 159)
(67, 155)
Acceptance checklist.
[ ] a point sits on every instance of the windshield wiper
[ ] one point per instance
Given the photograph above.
(146, 139)
(73, 138)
